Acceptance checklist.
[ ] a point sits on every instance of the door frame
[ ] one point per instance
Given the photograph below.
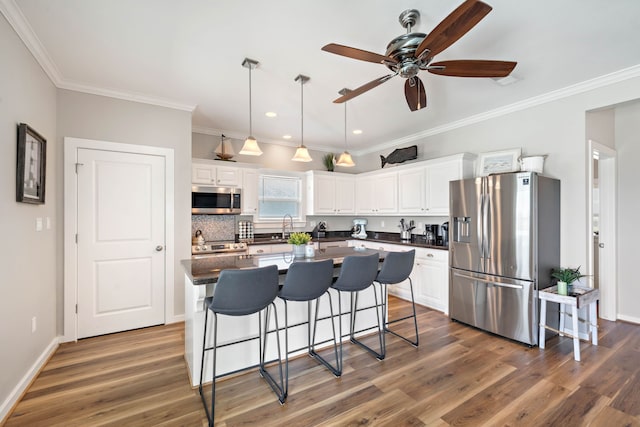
(71, 146)
(607, 168)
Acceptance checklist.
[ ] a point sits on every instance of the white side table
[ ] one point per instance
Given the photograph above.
(579, 296)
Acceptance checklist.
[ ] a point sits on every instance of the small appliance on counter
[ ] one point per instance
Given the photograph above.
(198, 239)
(358, 230)
(431, 233)
(320, 230)
(443, 240)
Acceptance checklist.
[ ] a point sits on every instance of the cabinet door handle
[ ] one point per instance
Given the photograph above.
(430, 255)
(260, 251)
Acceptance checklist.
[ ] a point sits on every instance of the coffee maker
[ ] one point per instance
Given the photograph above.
(358, 230)
(431, 233)
(443, 240)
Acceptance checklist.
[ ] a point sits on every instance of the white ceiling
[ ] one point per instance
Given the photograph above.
(188, 53)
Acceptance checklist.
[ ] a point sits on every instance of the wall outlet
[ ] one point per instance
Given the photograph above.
(33, 324)
(48, 223)
(381, 224)
(312, 223)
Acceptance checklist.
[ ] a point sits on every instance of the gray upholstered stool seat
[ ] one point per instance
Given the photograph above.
(357, 274)
(241, 293)
(308, 281)
(396, 268)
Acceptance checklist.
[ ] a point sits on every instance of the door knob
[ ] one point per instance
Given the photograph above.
(601, 245)
(159, 248)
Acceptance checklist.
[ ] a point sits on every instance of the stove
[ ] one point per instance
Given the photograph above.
(219, 248)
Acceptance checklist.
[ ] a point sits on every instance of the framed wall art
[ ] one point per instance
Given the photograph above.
(499, 162)
(31, 165)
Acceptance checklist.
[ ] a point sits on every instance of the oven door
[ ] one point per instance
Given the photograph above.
(215, 200)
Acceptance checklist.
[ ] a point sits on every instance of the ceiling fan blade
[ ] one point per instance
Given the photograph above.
(472, 68)
(362, 89)
(415, 94)
(362, 55)
(454, 26)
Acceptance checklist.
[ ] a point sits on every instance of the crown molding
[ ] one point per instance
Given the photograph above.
(587, 85)
(23, 29)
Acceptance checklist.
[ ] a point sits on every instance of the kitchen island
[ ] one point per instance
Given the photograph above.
(202, 274)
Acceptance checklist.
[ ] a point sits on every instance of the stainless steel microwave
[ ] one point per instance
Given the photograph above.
(206, 199)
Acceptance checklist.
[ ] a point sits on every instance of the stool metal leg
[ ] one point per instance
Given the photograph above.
(278, 389)
(209, 411)
(388, 322)
(354, 309)
(337, 370)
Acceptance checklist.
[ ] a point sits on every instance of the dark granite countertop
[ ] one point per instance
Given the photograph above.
(206, 270)
(337, 236)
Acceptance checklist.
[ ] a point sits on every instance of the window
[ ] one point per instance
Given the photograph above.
(278, 196)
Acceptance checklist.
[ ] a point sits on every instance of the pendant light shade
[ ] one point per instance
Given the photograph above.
(345, 159)
(250, 147)
(302, 154)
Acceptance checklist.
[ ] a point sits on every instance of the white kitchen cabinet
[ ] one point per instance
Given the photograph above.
(377, 194)
(249, 191)
(330, 193)
(211, 174)
(424, 189)
(430, 277)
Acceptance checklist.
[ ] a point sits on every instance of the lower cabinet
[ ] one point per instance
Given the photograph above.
(430, 275)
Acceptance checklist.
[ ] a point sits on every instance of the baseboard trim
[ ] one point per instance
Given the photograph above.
(631, 319)
(18, 391)
(175, 319)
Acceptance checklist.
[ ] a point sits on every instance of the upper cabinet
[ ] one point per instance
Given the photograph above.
(377, 193)
(424, 189)
(213, 174)
(249, 191)
(330, 193)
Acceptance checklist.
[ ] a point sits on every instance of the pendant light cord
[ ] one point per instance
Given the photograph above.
(250, 118)
(301, 112)
(346, 145)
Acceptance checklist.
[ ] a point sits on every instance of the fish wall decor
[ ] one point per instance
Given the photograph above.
(400, 155)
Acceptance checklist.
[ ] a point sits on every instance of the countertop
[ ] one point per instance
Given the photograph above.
(206, 270)
(393, 238)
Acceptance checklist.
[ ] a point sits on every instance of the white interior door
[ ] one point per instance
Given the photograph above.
(121, 239)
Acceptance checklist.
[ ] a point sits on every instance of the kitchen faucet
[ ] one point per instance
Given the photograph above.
(284, 225)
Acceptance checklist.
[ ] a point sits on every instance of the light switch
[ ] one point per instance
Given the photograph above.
(38, 224)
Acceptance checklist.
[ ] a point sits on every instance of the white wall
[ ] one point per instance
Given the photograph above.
(87, 116)
(30, 273)
(627, 145)
(273, 156)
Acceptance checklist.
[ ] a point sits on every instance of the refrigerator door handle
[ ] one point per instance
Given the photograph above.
(480, 227)
(488, 282)
(486, 215)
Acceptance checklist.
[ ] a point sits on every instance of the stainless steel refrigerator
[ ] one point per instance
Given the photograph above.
(504, 241)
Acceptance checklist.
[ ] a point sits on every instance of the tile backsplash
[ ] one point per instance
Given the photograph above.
(214, 227)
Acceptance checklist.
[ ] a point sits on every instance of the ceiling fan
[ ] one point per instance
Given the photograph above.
(411, 52)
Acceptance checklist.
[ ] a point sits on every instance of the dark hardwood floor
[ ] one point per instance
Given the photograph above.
(458, 376)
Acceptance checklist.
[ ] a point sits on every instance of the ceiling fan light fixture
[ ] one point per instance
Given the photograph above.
(302, 154)
(250, 147)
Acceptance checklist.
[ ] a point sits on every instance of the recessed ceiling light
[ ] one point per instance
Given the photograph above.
(271, 114)
(357, 131)
(286, 136)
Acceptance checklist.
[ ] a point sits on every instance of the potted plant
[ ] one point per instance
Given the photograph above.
(565, 277)
(329, 161)
(298, 240)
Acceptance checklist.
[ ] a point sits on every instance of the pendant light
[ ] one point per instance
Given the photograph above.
(302, 154)
(345, 159)
(250, 147)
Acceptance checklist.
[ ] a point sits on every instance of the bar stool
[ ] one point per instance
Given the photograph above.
(241, 293)
(396, 268)
(356, 274)
(308, 281)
